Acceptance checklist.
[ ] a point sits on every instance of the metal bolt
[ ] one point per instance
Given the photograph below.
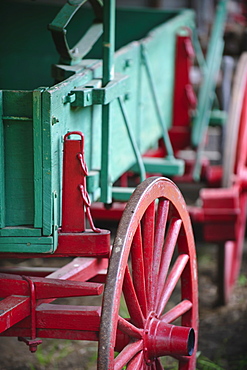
(127, 96)
(128, 63)
(54, 120)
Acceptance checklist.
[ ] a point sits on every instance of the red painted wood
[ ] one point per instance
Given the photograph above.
(73, 216)
(12, 310)
(53, 333)
(81, 269)
(85, 244)
(65, 317)
(47, 288)
(184, 99)
(145, 230)
(99, 212)
(51, 316)
(28, 271)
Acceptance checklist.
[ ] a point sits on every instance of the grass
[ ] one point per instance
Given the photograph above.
(56, 352)
(242, 280)
(204, 363)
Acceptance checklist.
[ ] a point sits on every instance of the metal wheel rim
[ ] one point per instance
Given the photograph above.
(234, 162)
(231, 256)
(233, 122)
(140, 202)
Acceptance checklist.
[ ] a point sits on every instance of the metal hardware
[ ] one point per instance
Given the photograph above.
(32, 342)
(74, 187)
(57, 28)
(88, 95)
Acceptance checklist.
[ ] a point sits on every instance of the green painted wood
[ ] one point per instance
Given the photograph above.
(18, 158)
(20, 231)
(37, 155)
(163, 166)
(2, 169)
(27, 46)
(122, 194)
(26, 244)
(108, 44)
(206, 93)
(59, 117)
(36, 120)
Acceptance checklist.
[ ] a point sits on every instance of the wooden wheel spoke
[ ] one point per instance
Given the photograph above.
(126, 327)
(182, 359)
(132, 300)
(177, 311)
(137, 362)
(138, 270)
(172, 281)
(148, 222)
(143, 255)
(168, 250)
(127, 354)
(158, 365)
(161, 219)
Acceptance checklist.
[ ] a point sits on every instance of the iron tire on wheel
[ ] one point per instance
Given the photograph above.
(153, 258)
(234, 165)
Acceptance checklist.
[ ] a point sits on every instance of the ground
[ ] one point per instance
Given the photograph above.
(222, 335)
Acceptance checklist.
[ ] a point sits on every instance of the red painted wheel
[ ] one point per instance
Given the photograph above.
(153, 266)
(234, 165)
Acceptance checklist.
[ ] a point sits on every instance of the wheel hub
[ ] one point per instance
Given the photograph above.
(163, 339)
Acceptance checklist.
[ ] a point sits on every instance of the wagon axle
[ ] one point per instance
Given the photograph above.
(162, 339)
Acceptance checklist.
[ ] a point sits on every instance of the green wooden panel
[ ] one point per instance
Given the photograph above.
(27, 45)
(26, 244)
(160, 51)
(19, 173)
(2, 169)
(18, 158)
(37, 157)
(20, 231)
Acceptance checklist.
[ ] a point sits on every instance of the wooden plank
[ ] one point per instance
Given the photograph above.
(20, 231)
(2, 172)
(37, 157)
(18, 157)
(47, 287)
(81, 269)
(12, 310)
(26, 244)
(28, 270)
(68, 317)
(53, 333)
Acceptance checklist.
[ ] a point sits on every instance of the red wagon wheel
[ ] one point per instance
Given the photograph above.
(153, 259)
(234, 165)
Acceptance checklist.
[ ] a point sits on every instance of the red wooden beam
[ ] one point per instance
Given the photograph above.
(12, 310)
(87, 244)
(47, 288)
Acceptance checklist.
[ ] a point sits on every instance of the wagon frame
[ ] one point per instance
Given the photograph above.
(153, 254)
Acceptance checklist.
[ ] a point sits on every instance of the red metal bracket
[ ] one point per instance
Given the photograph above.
(32, 342)
(75, 199)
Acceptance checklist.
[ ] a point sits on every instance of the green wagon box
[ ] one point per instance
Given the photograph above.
(39, 107)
